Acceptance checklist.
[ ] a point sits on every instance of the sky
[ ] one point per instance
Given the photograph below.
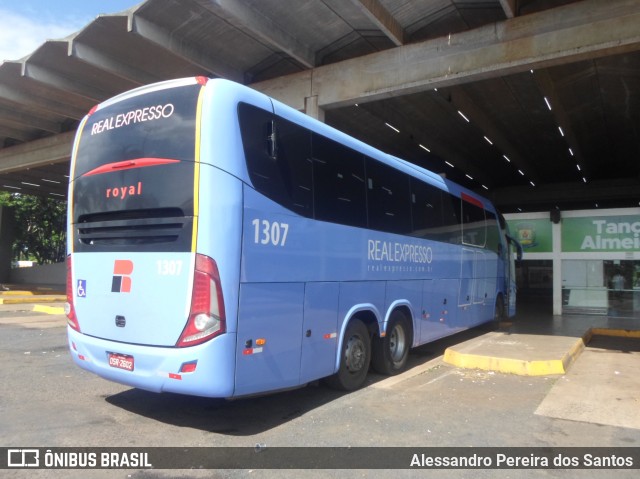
(27, 24)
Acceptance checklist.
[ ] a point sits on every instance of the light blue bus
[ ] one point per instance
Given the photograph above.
(222, 244)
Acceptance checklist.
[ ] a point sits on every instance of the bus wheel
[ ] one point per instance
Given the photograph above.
(390, 353)
(354, 358)
(498, 316)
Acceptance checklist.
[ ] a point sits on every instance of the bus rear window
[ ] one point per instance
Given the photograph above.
(158, 124)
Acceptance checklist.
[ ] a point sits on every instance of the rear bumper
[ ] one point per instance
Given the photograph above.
(157, 369)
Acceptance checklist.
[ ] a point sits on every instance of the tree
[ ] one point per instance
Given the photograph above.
(40, 234)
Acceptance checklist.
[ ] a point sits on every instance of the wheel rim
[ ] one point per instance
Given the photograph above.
(355, 355)
(397, 344)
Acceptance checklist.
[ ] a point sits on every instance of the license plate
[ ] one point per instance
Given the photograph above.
(121, 361)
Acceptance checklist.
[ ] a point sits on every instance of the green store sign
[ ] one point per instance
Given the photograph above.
(601, 233)
(533, 235)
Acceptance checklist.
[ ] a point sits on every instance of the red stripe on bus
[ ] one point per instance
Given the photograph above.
(472, 200)
(130, 164)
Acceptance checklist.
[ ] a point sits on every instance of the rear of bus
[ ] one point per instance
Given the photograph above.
(145, 287)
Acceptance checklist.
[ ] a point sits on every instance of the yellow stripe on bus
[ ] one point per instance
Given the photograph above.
(196, 172)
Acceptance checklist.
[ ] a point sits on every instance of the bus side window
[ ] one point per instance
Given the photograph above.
(426, 211)
(388, 199)
(338, 183)
(286, 176)
(474, 230)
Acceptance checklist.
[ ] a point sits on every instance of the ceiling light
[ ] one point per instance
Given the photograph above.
(12, 187)
(532, 183)
(561, 132)
(488, 140)
(584, 179)
(547, 102)
(520, 171)
(29, 184)
(485, 188)
(469, 176)
(449, 164)
(571, 151)
(56, 194)
(506, 158)
(578, 166)
(462, 115)
(393, 128)
(424, 148)
(49, 181)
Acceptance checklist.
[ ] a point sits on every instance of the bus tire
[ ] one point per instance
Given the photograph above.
(391, 352)
(354, 358)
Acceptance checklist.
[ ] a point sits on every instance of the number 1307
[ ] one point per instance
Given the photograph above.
(267, 232)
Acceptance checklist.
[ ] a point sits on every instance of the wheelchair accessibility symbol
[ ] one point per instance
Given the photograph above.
(81, 290)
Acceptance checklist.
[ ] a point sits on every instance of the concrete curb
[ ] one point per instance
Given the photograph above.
(457, 355)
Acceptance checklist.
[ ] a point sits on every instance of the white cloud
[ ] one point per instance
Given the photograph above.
(21, 35)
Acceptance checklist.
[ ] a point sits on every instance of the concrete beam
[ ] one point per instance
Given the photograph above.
(47, 151)
(510, 7)
(378, 14)
(257, 24)
(574, 32)
(98, 59)
(180, 47)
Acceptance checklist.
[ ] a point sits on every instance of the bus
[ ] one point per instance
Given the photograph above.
(222, 244)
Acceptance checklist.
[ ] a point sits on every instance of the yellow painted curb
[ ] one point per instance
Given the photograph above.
(32, 299)
(536, 367)
(41, 308)
(519, 367)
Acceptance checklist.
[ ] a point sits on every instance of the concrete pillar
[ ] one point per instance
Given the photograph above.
(7, 235)
(312, 109)
(556, 230)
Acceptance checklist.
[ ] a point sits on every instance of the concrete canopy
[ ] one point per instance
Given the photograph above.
(535, 104)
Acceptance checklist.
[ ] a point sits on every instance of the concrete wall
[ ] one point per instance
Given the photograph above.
(54, 275)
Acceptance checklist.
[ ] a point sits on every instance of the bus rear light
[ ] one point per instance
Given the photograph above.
(206, 318)
(69, 308)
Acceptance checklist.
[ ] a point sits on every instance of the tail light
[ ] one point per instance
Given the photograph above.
(206, 318)
(69, 309)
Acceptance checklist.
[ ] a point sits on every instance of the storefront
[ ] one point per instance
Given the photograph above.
(590, 260)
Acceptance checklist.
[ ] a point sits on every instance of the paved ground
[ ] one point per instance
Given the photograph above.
(46, 401)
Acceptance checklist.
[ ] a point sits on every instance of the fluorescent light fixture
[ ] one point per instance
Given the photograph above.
(520, 171)
(561, 132)
(485, 187)
(49, 181)
(56, 194)
(469, 176)
(424, 148)
(449, 164)
(546, 100)
(393, 128)
(462, 115)
(578, 166)
(12, 187)
(506, 158)
(488, 140)
(584, 179)
(571, 151)
(532, 183)
(29, 184)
